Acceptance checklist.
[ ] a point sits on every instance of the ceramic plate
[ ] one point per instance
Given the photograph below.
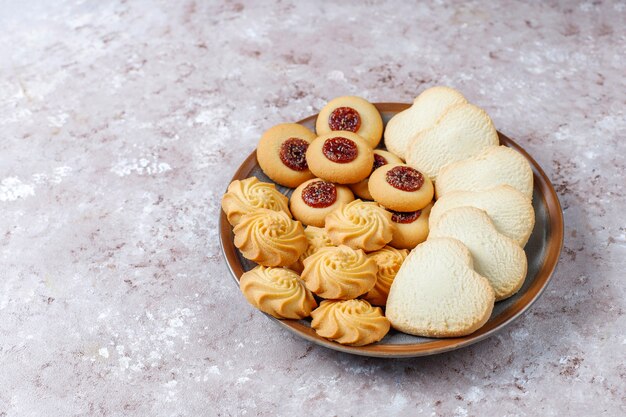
(543, 250)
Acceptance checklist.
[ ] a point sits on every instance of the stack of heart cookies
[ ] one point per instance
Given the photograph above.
(337, 250)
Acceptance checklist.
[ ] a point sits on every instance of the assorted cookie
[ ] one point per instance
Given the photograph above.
(466, 246)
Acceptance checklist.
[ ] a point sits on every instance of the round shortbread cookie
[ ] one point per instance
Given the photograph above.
(282, 154)
(381, 158)
(353, 114)
(314, 199)
(411, 228)
(341, 157)
(401, 188)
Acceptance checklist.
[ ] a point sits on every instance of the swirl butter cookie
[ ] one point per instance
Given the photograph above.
(401, 188)
(270, 238)
(411, 228)
(341, 157)
(245, 196)
(388, 261)
(351, 322)
(317, 238)
(380, 158)
(339, 272)
(352, 114)
(314, 199)
(360, 225)
(278, 292)
(282, 154)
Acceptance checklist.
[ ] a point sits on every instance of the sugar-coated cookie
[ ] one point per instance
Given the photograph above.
(351, 322)
(281, 153)
(496, 165)
(401, 188)
(410, 229)
(496, 257)
(341, 157)
(462, 132)
(339, 272)
(380, 158)
(270, 238)
(317, 238)
(360, 225)
(426, 109)
(245, 196)
(278, 292)
(388, 260)
(511, 211)
(315, 199)
(437, 293)
(352, 114)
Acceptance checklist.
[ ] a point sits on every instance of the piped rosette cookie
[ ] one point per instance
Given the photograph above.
(351, 322)
(381, 158)
(281, 153)
(360, 225)
(313, 200)
(388, 260)
(278, 292)
(340, 157)
(339, 272)
(401, 188)
(317, 238)
(270, 238)
(246, 196)
(352, 114)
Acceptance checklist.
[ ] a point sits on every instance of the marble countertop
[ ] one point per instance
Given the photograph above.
(122, 123)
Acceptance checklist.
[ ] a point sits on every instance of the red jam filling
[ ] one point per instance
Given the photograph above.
(405, 178)
(319, 194)
(344, 118)
(378, 162)
(293, 154)
(340, 150)
(408, 217)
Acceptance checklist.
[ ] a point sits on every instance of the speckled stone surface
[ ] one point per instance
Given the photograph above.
(122, 124)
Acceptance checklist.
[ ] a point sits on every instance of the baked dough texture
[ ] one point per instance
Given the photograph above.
(341, 173)
(339, 272)
(360, 189)
(409, 235)
(360, 225)
(245, 196)
(278, 292)
(371, 126)
(393, 198)
(496, 257)
(269, 149)
(388, 260)
(270, 238)
(317, 238)
(437, 293)
(316, 216)
(462, 132)
(511, 212)
(426, 109)
(496, 165)
(351, 322)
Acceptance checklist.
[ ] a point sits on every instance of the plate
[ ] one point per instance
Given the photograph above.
(543, 250)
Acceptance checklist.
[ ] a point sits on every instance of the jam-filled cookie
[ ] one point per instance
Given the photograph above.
(351, 322)
(380, 158)
(352, 114)
(388, 260)
(245, 196)
(339, 272)
(341, 157)
(360, 225)
(401, 188)
(411, 228)
(314, 199)
(282, 154)
(270, 238)
(278, 292)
